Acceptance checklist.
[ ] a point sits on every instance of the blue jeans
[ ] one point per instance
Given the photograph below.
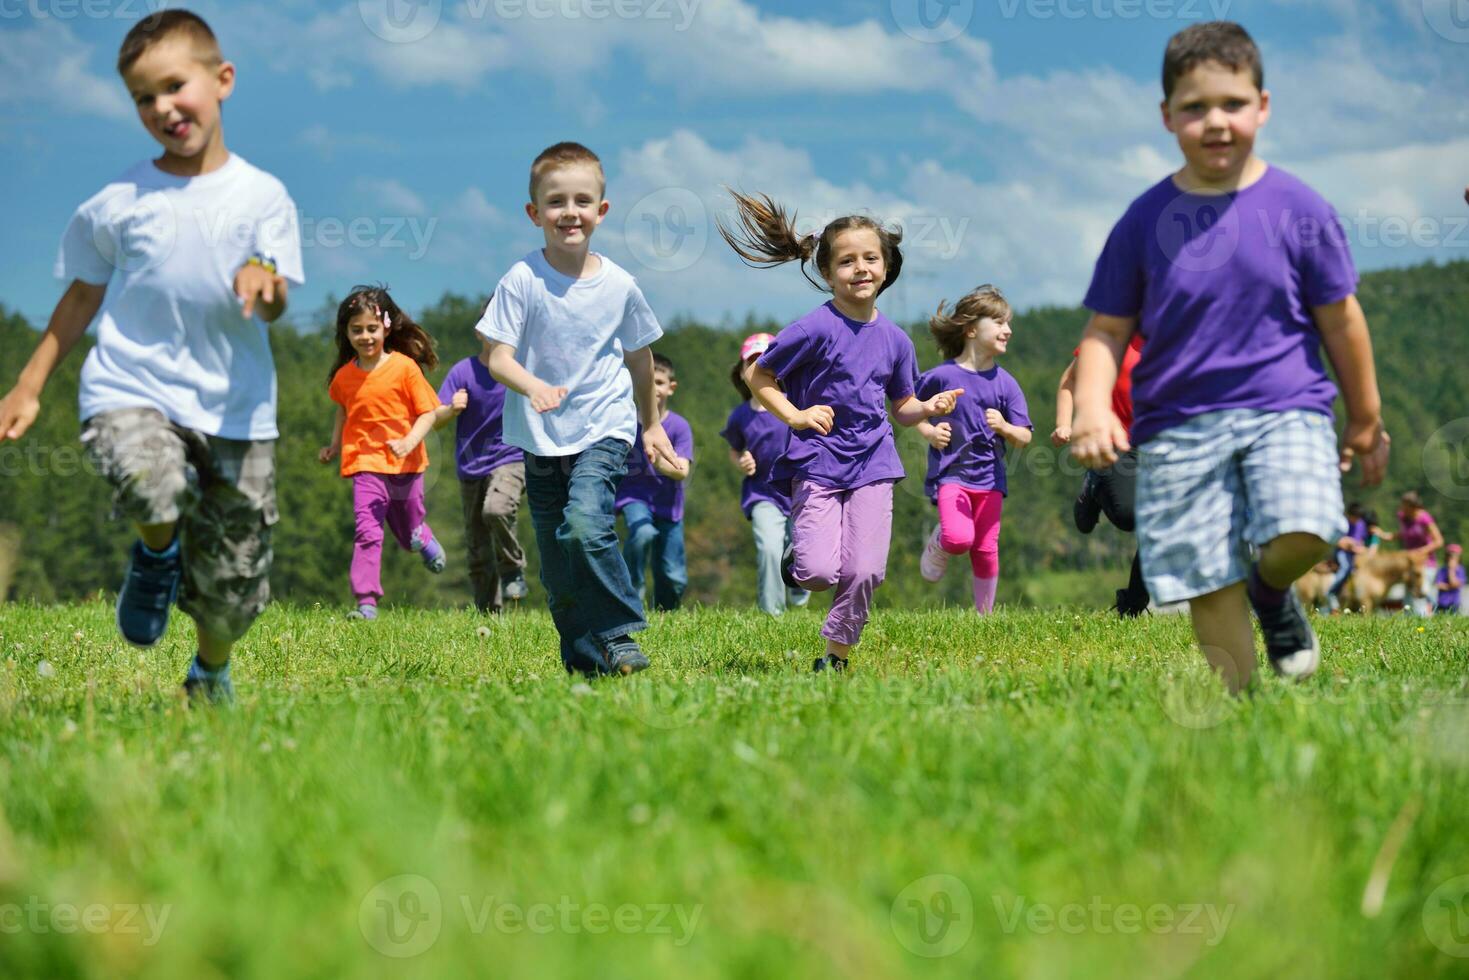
(772, 534)
(664, 540)
(587, 586)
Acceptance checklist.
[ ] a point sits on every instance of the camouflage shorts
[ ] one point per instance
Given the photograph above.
(221, 492)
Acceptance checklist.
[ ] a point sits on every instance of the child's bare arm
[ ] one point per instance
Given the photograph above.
(505, 369)
(656, 444)
(1343, 328)
(445, 413)
(1015, 435)
(1065, 405)
(74, 311)
(329, 452)
(421, 427)
(766, 388)
(744, 461)
(1097, 435)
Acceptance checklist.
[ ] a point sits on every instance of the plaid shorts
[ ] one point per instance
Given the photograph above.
(1213, 487)
(220, 492)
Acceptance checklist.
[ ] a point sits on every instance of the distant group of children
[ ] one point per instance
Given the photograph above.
(1198, 379)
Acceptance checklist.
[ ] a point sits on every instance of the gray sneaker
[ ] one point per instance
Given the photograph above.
(623, 654)
(1289, 640)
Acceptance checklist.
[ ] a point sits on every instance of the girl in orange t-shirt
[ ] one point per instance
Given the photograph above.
(385, 406)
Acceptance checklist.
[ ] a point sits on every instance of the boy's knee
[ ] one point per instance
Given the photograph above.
(583, 528)
(1296, 547)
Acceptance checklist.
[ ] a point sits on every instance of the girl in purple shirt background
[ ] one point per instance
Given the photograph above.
(966, 461)
(829, 377)
(756, 440)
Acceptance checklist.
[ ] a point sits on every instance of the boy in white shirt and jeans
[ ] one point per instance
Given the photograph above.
(182, 261)
(569, 335)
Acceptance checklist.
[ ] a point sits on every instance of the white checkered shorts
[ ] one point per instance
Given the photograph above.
(1216, 485)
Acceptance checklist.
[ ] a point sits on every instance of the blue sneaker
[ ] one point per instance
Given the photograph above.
(205, 686)
(429, 550)
(149, 588)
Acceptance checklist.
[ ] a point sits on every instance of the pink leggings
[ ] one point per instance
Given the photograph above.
(969, 520)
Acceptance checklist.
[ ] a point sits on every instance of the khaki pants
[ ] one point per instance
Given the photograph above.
(491, 504)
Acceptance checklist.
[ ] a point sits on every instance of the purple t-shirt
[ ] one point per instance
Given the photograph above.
(826, 359)
(478, 446)
(643, 484)
(766, 438)
(975, 457)
(1448, 590)
(1222, 287)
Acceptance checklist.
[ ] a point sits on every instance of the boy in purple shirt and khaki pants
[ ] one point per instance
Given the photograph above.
(491, 483)
(1235, 273)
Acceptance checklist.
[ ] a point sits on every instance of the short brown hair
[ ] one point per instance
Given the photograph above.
(163, 25)
(1220, 41)
(563, 155)
(980, 302)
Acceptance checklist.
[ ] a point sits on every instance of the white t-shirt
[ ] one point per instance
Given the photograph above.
(169, 334)
(571, 332)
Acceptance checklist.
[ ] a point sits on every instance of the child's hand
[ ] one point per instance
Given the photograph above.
(545, 398)
(659, 450)
(460, 401)
(253, 282)
(943, 403)
(1096, 439)
(939, 435)
(746, 463)
(402, 447)
(995, 420)
(1368, 444)
(1060, 436)
(18, 410)
(327, 454)
(818, 417)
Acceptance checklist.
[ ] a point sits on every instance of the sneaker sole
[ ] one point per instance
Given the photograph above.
(1299, 665)
(117, 618)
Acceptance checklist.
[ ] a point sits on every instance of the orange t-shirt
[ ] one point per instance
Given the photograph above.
(382, 404)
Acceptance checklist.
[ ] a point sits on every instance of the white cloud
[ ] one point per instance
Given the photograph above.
(46, 65)
(389, 196)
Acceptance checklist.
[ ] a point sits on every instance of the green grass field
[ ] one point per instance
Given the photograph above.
(1029, 795)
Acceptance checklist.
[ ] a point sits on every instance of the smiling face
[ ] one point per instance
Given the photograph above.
(569, 206)
(1215, 112)
(663, 386)
(366, 334)
(857, 269)
(990, 336)
(177, 96)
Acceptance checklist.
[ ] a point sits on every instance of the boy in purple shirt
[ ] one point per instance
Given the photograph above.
(491, 482)
(1235, 273)
(651, 504)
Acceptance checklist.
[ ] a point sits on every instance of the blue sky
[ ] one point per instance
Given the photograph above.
(1006, 136)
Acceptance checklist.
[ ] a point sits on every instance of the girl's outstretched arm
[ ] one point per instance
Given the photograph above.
(331, 451)
(1065, 405)
(421, 426)
(912, 410)
(766, 388)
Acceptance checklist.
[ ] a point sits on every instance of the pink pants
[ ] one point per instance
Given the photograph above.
(969, 520)
(839, 539)
(378, 497)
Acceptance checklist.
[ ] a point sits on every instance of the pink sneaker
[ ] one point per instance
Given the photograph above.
(935, 560)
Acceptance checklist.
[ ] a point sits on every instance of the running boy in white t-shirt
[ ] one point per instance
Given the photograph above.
(569, 334)
(182, 261)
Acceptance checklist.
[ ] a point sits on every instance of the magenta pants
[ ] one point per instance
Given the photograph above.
(969, 520)
(839, 539)
(396, 499)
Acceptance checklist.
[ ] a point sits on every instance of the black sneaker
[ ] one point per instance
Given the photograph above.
(830, 662)
(1086, 510)
(149, 588)
(1289, 640)
(787, 568)
(201, 691)
(623, 654)
(1129, 606)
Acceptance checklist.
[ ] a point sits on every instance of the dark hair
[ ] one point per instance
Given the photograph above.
(980, 302)
(767, 237)
(1220, 41)
(404, 335)
(162, 25)
(560, 155)
(737, 378)
(1412, 499)
(1356, 511)
(662, 362)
